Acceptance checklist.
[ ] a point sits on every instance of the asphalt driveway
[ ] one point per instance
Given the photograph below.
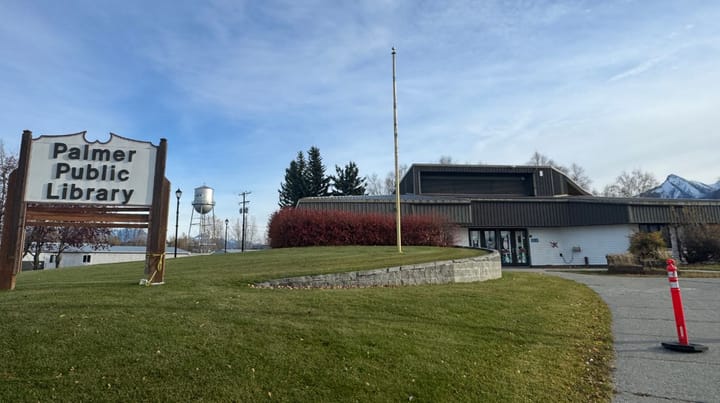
(642, 318)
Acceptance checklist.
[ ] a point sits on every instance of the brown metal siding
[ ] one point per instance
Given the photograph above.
(544, 185)
(503, 214)
(559, 183)
(545, 213)
(407, 182)
(588, 213)
(476, 183)
(456, 212)
(690, 212)
(568, 212)
(534, 211)
(650, 214)
(356, 207)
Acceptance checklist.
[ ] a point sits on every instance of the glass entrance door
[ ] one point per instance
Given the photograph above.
(511, 244)
(506, 249)
(521, 257)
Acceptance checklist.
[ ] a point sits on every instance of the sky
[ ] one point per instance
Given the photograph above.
(239, 87)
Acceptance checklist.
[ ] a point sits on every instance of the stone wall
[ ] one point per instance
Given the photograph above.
(479, 268)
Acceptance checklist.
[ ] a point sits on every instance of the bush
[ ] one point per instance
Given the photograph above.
(701, 243)
(647, 246)
(627, 263)
(621, 260)
(292, 227)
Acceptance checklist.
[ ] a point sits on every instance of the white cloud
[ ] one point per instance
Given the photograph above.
(239, 87)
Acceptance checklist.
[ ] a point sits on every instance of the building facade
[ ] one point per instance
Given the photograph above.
(533, 215)
(86, 256)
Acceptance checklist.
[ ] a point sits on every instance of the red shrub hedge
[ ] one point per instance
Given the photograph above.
(291, 227)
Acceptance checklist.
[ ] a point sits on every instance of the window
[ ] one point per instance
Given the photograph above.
(52, 258)
(663, 228)
(86, 258)
(651, 227)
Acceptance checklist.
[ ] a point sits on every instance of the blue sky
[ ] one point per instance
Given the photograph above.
(239, 87)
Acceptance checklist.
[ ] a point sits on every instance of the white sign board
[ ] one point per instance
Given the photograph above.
(69, 169)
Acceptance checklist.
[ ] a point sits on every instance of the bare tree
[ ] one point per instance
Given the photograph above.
(577, 174)
(389, 183)
(630, 184)
(374, 185)
(36, 240)
(574, 172)
(59, 239)
(236, 230)
(131, 236)
(8, 162)
(183, 242)
(390, 178)
(218, 233)
(250, 231)
(77, 237)
(538, 159)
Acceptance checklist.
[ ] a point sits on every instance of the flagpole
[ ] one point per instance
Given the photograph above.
(397, 170)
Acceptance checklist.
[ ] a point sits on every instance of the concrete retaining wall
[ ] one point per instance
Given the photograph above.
(479, 268)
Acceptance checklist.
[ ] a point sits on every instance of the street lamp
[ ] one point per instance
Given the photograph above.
(178, 193)
(226, 225)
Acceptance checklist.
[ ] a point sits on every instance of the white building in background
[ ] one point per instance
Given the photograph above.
(85, 256)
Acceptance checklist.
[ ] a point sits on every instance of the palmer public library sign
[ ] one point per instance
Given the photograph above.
(66, 180)
(66, 169)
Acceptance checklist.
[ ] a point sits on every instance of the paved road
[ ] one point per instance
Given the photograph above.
(643, 318)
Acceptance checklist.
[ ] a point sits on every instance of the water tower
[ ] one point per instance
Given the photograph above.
(202, 218)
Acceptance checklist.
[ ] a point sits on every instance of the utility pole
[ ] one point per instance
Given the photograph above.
(226, 226)
(397, 170)
(243, 211)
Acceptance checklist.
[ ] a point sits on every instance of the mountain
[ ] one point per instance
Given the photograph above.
(676, 187)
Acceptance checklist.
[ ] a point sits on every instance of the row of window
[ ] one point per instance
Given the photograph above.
(511, 243)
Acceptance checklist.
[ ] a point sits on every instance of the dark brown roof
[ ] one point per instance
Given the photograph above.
(486, 180)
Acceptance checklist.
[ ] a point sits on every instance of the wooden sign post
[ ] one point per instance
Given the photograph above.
(67, 181)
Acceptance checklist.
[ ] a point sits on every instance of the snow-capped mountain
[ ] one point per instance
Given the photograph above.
(676, 187)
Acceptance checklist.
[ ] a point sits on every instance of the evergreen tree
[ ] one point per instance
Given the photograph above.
(295, 187)
(317, 182)
(304, 178)
(347, 181)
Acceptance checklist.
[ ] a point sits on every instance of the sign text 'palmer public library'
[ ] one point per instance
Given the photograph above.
(69, 170)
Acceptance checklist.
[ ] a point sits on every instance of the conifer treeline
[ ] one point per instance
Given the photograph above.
(305, 177)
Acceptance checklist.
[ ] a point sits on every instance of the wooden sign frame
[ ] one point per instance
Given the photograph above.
(19, 214)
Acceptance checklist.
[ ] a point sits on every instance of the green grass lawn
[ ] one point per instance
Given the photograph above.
(706, 267)
(94, 334)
